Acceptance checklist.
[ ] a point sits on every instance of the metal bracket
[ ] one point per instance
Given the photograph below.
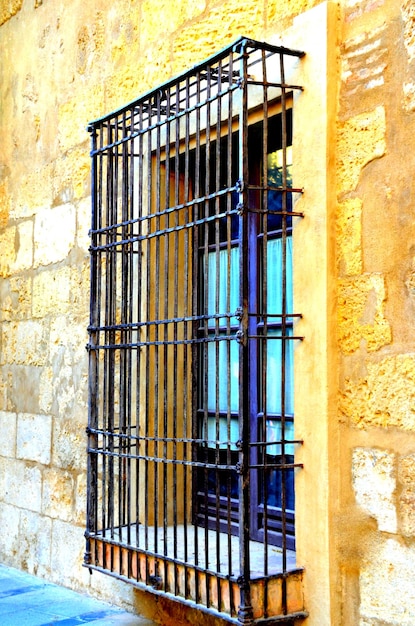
(155, 581)
(239, 185)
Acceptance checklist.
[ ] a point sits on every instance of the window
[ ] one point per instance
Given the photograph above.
(271, 399)
(190, 437)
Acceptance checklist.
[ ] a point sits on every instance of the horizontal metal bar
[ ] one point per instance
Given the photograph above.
(277, 85)
(171, 342)
(282, 619)
(100, 452)
(281, 466)
(240, 43)
(161, 322)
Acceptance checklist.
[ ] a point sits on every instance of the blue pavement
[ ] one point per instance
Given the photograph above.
(29, 601)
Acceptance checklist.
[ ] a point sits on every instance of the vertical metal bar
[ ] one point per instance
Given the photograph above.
(187, 314)
(283, 330)
(123, 298)
(208, 278)
(129, 193)
(98, 209)
(105, 507)
(165, 237)
(92, 475)
(109, 354)
(218, 322)
(230, 181)
(99, 217)
(264, 311)
(157, 306)
(245, 613)
(198, 214)
(137, 279)
(148, 317)
(134, 278)
(176, 341)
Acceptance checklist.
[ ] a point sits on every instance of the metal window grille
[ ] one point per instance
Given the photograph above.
(190, 438)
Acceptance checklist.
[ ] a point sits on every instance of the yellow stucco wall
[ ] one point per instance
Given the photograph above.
(64, 63)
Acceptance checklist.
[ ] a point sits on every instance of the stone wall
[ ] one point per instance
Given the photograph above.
(375, 311)
(65, 63)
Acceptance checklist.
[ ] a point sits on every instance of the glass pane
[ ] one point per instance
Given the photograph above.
(272, 489)
(274, 434)
(228, 431)
(275, 179)
(275, 167)
(275, 276)
(273, 401)
(223, 366)
(223, 285)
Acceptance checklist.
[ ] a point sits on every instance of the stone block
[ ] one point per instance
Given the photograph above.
(68, 339)
(67, 375)
(106, 588)
(408, 97)
(408, 18)
(349, 236)
(10, 534)
(174, 15)
(54, 234)
(406, 477)
(9, 9)
(385, 397)
(51, 292)
(84, 224)
(15, 298)
(8, 428)
(277, 11)
(68, 397)
(23, 486)
(80, 294)
(407, 511)
(24, 343)
(8, 252)
(34, 191)
(406, 470)
(387, 592)
(80, 499)
(361, 139)
(374, 484)
(35, 543)
(4, 204)
(72, 117)
(63, 383)
(67, 551)
(34, 437)
(69, 441)
(46, 390)
(210, 34)
(361, 316)
(24, 246)
(58, 495)
(23, 388)
(364, 59)
(73, 174)
(5, 382)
